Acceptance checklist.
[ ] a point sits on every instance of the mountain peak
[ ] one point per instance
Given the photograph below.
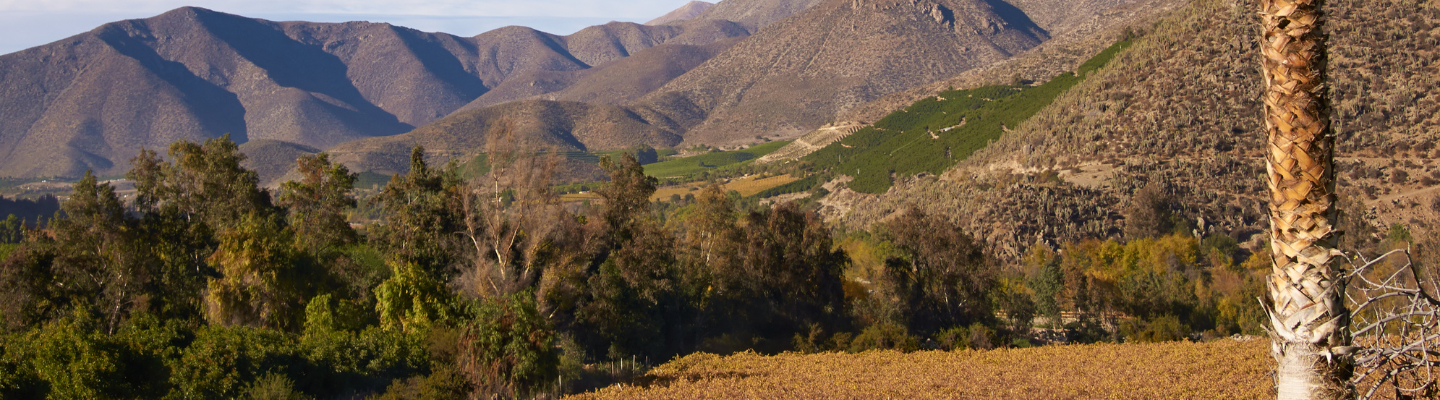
(685, 13)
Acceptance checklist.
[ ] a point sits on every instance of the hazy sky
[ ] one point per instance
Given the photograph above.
(29, 23)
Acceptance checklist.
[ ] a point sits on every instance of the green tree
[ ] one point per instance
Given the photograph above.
(12, 230)
(423, 212)
(942, 276)
(223, 361)
(412, 300)
(626, 196)
(101, 259)
(204, 183)
(633, 304)
(259, 282)
(317, 205)
(186, 204)
(790, 267)
(507, 349)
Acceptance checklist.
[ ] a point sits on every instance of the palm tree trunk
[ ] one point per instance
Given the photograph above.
(1309, 321)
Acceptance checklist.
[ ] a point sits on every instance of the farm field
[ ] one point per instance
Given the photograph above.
(747, 186)
(693, 165)
(1221, 369)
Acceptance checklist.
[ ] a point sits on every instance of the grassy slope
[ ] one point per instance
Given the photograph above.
(711, 161)
(1223, 369)
(934, 133)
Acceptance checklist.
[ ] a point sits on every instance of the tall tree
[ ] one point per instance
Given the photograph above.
(511, 215)
(941, 273)
(208, 218)
(422, 210)
(96, 248)
(627, 197)
(1308, 315)
(317, 204)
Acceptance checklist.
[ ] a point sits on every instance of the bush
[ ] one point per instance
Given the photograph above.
(1399, 177)
(884, 336)
(222, 360)
(273, 387)
(442, 384)
(507, 349)
(1165, 328)
(955, 338)
(983, 338)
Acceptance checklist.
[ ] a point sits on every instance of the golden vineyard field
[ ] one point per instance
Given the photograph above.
(1222, 369)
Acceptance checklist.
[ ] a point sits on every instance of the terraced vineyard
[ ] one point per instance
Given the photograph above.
(689, 166)
(1222, 369)
(933, 134)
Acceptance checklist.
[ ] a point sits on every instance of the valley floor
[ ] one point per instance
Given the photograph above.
(1221, 369)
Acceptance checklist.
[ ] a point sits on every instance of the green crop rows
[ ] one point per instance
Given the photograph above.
(933, 134)
(689, 166)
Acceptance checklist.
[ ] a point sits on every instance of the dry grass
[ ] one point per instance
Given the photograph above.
(1223, 369)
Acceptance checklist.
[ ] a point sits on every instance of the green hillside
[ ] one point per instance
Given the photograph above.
(720, 160)
(933, 134)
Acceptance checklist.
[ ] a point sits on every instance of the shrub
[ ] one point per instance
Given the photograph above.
(273, 387)
(1399, 177)
(1165, 328)
(884, 336)
(506, 350)
(983, 338)
(222, 360)
(955, 338)
(442, 384)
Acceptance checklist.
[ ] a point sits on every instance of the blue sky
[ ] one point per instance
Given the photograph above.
(29, 23)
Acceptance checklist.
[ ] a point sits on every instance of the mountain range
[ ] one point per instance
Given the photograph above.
(737, 72)
(1177, 111)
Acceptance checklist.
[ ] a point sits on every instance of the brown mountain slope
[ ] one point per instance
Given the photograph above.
(1179, 110)
(271, 159)
(628, 79)
(1062, 16)
(685, 13)
(566, 126)
(94, 100)
(756, 14)
(557, 62)
(797, 74)
(1064, 52)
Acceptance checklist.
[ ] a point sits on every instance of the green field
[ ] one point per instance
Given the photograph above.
(935, 133)
(709, 162)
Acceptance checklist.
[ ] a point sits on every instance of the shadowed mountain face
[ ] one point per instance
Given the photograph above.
(94, 100)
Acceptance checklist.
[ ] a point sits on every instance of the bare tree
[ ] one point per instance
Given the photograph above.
(1397, 327)
(1308, 317)
(510, 215)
